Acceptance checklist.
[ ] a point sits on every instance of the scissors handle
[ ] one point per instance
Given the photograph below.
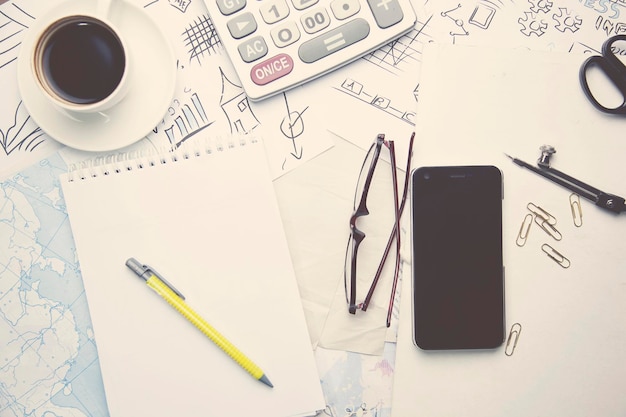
(612, 68)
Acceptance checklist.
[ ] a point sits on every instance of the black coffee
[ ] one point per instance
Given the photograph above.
(83, 61)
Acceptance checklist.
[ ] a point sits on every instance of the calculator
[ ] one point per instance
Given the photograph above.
(275, 45)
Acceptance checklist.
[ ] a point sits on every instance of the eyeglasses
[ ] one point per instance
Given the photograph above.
(366, 176)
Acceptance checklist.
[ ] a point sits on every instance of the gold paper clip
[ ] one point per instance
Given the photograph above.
(555, 255)
(511, 341)
(524, 230)
(548, 228)
(577, 210)
(538, 211)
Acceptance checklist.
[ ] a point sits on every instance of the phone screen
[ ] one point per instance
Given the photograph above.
(458, 274)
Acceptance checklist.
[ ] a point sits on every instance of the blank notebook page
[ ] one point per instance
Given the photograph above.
(206, 219)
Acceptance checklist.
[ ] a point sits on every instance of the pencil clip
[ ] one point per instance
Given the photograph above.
(524, 229)
(548, 228)
(577, 210)
(555, 255)
(538, 211)
(159, 276)
(511, 341)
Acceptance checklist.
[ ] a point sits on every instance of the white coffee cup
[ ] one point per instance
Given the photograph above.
(81, 62)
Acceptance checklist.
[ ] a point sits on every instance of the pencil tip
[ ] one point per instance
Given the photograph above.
(508, 155)
(266, 381)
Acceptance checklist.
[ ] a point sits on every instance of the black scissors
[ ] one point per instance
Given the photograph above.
(613, 68)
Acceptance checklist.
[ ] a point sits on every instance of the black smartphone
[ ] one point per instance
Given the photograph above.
(458, 271)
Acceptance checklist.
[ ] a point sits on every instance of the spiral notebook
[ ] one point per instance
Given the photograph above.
(207, 220)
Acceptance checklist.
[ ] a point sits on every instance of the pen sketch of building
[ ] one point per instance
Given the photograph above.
(236, 107)
(23, 134)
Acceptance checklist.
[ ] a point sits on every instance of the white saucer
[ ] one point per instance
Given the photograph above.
(152, 83)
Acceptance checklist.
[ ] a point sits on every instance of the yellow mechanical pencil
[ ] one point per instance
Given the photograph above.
(177, 300)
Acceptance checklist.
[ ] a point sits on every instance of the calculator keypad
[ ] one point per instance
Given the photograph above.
(343, 9)
(335, 40)
(386, 12)
(274, 11)
(277, 44)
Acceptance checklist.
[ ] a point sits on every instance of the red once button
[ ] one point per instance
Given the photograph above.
(271, 69)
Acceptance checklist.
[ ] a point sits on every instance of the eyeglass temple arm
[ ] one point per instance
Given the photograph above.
(358, 237)
(362, 210)
(394, 233)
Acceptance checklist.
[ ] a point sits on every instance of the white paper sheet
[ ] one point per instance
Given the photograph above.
(569, 357)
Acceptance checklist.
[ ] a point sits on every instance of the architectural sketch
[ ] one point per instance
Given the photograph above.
(201, 38)
(184, 120)
(23, 135)
(236, 107)
(13, 21)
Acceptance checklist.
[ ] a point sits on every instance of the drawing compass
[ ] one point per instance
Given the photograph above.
(601, 199)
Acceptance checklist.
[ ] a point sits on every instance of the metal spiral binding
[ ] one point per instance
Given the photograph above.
(145, 158)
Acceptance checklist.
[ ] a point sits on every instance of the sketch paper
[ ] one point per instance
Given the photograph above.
(571, 336)
(22, 142)
(380, 91)
(208, 97)
(377, 94)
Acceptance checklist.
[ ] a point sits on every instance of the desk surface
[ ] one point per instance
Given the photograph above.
(49, 361)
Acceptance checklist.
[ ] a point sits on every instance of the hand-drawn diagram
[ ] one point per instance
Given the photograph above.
(180, 4)
(235, 105)
(362, 411)
(534, 17)
(357, 90)
(23, 135)
(540, 6)
(480, 16)
(461, 31)
(13, 20)
(201, 38)
(609, 27)
(405, 49)
(607, 13)
(532, 24)
(292, 127)
(177, 4)
(483, 14)
(188, 119)
(566, 21)
(535, 21)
